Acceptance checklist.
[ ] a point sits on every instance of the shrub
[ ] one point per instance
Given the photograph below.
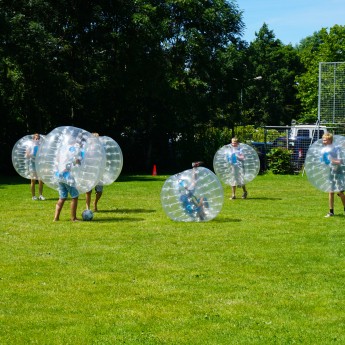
(279, 161)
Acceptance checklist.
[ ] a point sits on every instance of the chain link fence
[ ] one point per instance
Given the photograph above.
(331, 97)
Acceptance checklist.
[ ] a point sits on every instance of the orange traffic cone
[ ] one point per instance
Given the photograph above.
(154, 170)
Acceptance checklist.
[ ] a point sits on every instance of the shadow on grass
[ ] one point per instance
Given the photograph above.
(127, 210)
(140, 178)
(263, 198)
(17, 179)
(49, 199)
(131, 219)
(116, 220)
(121, 211)
(226, 220)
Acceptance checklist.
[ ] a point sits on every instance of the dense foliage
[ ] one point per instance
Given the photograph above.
(157, 76)
(279, 161)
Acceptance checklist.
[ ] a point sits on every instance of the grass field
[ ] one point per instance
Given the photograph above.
(266, 270)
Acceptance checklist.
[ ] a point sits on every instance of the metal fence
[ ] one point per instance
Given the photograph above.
(331, 97)
(296, 139)
(331, 115)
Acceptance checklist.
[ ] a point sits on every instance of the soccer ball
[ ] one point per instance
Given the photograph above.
(87, 215)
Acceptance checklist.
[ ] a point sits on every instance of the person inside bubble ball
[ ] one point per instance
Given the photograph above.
(98, 191)
(236, 159)
(70, 156)
(330, 155)
(193, 205)
(31, 153)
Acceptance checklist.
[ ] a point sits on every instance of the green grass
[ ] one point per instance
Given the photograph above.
(267, 270)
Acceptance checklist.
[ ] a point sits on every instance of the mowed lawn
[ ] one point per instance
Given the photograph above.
(266, 270)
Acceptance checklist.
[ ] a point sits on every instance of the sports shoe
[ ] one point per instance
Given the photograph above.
(329, 214)
(34, 198)
(233, 197)
(244, 196)
(42, 197)
(196, 164)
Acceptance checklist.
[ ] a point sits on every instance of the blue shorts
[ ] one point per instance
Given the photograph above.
(98, 189)
(64, 189)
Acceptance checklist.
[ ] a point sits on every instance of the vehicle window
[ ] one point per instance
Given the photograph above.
(318, 134)
(303, 133)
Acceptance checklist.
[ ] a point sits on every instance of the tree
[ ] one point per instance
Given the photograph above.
(140, 71)
(272, 100)
(323, 46)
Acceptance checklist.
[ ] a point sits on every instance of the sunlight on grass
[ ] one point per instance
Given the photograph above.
(267, 270)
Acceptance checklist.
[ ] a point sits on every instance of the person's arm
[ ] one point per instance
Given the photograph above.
(240, 154)
(336, 160)
(28, 151)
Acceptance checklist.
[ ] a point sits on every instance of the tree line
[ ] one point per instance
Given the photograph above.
(168, 80)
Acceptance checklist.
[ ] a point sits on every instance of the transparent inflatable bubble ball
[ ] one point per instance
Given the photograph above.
(236, 166)
(194, 195)
(325, 165)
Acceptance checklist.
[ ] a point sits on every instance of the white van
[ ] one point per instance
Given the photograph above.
(307, 131)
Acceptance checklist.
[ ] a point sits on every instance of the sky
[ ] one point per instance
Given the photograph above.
(290, 20)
